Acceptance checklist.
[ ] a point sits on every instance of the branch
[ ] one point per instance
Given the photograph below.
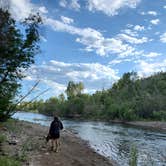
(34, 98)
(29, 92)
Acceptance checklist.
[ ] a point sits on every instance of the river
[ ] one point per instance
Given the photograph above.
(113, 140)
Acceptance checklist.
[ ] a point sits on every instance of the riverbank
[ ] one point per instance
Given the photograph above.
(25, 143)
(156, 125)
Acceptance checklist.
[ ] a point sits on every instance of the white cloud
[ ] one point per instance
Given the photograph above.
(57, 74)
(21, 9)
(146, 69)
(163, 38)
(93, 39)
(111, 7)
(130, 32)
(154, 13)
(155, 21)
(67, 20)
(139, 28)
(117, 61)
(43, 38)
(152, 55)
(43, 9)
(75, 5)
(63, 3)
(133, 40)
(164, 7)
(72, 4)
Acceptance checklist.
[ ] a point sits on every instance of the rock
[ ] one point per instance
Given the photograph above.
(4, 128)
(13, 142)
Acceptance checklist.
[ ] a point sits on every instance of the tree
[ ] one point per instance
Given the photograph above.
(17, 53)
(74, 89)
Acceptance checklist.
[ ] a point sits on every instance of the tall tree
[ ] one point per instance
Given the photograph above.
(17, 52)
(74, 89)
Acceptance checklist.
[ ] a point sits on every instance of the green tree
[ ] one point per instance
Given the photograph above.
(74, 89)
(17, 52)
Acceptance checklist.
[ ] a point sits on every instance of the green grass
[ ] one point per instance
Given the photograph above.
(11, 125)
(133, 156)
(8, 161)
(2, 138)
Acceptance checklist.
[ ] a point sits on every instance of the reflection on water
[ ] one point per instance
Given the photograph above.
(114, 140)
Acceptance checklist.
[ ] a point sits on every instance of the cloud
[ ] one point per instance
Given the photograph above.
(132, 40)
(164, 7)
(72, 4)
(152, 55)
(154, 13)
(163, 37)
(67, 20)
(43, 9)
(43, 38)
(152, 68)
(63, 3)
(117, 61)
(111, 7)
(56, 75)
(139, 28)
(155, 21)
(75, 5)
(93, 39)
(130, 32)
(21, 9)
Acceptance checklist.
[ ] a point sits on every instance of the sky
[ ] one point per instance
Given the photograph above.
(93, 41)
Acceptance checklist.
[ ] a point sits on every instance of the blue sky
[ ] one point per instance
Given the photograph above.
(94, 41)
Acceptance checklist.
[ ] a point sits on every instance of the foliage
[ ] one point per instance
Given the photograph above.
(74, 89)
(17, 52)
(8, 161)
(131, 98)
(2, 138)
(133, 156)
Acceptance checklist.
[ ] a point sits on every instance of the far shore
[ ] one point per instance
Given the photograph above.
(154, 125)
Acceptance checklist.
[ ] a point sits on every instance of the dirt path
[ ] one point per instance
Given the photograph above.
(31, 147)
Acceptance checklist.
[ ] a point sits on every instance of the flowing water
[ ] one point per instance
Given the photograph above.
(112, 140)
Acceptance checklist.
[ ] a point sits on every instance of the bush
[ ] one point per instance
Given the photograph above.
(2, 138)
(8, 161)
(160, 115)
(133, 156)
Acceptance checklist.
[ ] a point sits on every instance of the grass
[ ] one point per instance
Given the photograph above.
(8, 161)
(11, 125)
(2, 138)
(133, 156)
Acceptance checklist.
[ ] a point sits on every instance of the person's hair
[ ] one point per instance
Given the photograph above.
(56, 118)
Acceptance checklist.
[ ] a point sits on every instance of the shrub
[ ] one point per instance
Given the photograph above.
(133, 156)
(8, 161)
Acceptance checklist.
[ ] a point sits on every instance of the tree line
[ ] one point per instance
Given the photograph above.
(131, 98)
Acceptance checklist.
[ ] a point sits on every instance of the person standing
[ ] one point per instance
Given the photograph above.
(54, 133)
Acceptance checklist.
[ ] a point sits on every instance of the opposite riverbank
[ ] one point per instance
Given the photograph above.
(23, 143)
(156, 125)
(152, 125)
